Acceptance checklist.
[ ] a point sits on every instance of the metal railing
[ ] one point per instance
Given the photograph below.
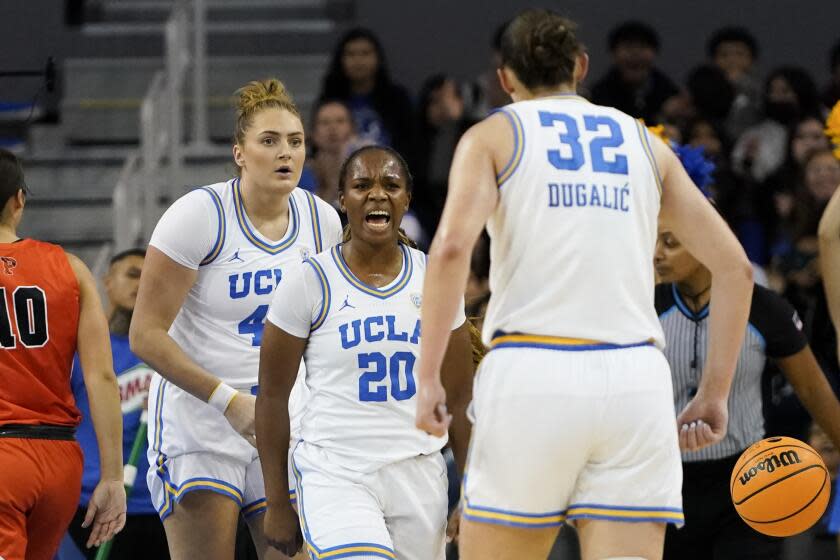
(156, 169)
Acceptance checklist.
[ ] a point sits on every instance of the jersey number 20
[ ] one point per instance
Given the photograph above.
(30, 314)
(382, 367)
(571, 138)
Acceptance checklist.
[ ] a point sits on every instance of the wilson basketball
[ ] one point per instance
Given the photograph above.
(780, 486)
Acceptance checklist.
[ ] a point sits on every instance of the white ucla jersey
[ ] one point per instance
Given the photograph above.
(220, 324)
(574, 232)
(361, 359)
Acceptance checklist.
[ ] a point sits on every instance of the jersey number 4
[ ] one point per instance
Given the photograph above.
(382, 367)
(253, 325)
(571, 139)
(30, 314)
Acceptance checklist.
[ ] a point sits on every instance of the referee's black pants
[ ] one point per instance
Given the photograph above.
(713, 530)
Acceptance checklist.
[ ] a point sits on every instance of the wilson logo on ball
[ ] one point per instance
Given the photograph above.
(770, 464)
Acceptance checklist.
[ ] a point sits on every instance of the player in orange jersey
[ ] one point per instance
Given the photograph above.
(50, 309)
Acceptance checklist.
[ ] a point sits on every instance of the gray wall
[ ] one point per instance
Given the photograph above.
(427, 36)
(424, 37)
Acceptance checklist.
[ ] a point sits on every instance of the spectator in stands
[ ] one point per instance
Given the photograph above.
(789, 93)
(711, 93)
(780, 189)
(358, 75)
(333, 139)
(734, 50)
(633, 84)
(442, 121)
(143, 536)
(831, 94)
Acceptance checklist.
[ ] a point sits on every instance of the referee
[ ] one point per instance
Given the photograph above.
(713, 530)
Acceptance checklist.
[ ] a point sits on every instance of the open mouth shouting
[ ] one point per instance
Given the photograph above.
(378, 219)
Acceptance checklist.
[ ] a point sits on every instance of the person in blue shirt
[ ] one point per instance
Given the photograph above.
(143, 536)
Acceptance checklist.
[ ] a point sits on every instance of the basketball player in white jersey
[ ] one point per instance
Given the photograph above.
(214, 260)
(572, 405)
(369, 483)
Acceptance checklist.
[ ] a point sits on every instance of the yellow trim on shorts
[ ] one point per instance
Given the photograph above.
(352, 549)
(537, 339)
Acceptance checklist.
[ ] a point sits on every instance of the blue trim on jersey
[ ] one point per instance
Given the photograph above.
(316, 221)
(361, 549)
(649, 152)
(518, 145)
(156, 441)
(291, 232)
(758, 334)
(668, 311)
(408, 267)
(221, 230)
(700, 315)
(326, 295)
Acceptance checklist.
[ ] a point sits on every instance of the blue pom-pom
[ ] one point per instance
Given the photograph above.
(698, 167)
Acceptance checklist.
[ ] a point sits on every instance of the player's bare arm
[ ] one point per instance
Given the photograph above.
(812, 388)
(106, 510)
(704, 233)
(163, 289)
(280, 356)
(473, 195)
(829, 239)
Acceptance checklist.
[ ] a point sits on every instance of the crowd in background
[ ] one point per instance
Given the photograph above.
(775, 170)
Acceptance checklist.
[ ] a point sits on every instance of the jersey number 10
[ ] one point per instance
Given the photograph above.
(30, 313)
(571, 138)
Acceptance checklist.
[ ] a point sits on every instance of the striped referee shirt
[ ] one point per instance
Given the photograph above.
(774, 330)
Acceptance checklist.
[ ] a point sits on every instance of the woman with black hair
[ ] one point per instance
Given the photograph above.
(359, 76)
(789, 93)
(368, 483)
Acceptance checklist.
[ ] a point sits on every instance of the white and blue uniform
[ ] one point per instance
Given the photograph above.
(368, 482)
(191, 445)
(572, 405)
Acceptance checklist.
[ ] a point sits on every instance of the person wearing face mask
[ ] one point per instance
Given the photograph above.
(369, 483)
(789, 93)
(213, 261)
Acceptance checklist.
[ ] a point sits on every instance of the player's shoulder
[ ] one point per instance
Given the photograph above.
(205, 197)
(323, 209)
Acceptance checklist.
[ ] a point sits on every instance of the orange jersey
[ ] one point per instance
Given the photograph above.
(39, 321)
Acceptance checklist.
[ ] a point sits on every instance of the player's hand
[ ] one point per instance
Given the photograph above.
(432, 416)
(453, 525)
(240, 414)
(282, 529)
(106, 511)
(702, 423)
